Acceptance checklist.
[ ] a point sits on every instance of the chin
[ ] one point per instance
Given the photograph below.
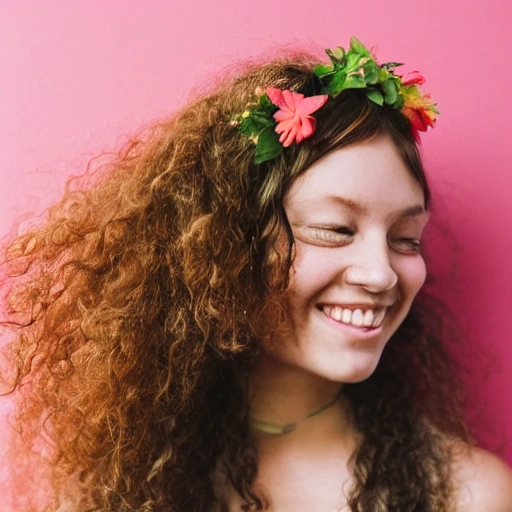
(355, 376)
(351, 370)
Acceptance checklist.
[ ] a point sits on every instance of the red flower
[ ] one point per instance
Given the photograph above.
(294, 122)
(418, 108)
(413, 78)
(419, 118)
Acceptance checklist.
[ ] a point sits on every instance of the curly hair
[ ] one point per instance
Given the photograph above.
(139, 305)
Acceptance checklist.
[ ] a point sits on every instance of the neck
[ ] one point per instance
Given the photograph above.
(281, 394)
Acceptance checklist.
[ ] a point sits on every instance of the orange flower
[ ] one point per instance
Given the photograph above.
(418, 108)
(294, 120)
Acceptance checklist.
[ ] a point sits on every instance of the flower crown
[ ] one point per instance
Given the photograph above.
(277, 118)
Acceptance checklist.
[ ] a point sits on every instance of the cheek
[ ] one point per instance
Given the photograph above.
(413, 273)
(310, 273)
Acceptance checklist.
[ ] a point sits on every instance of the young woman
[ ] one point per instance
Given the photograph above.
(227, 319)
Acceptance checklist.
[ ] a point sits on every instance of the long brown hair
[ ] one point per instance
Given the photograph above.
(137, 310)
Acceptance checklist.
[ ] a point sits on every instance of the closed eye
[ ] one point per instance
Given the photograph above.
(343, 230)
(406, 245)
(325, 236)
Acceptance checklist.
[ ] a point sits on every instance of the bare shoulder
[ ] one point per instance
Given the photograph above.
(484, 481)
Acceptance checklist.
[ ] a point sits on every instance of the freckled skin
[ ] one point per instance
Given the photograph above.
(356, 216)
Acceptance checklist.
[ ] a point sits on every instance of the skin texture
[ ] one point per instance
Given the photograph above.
(356, 245)
(484, 482)
(357, 217)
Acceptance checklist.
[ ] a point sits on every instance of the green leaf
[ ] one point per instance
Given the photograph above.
(245, 129)
(375, 96)
(257, 118)
(355, 82)
(337, 55)
(264, 101)
(353, 62)
(371, 72)
(372, 77)
(261, 119)
(358, 47)
(399, 103)
(268, 146)
(390, 92)
(321, 70)
(336, 84)
(255, 123)
(383, 75)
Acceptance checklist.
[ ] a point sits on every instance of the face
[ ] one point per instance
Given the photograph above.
(357, 216)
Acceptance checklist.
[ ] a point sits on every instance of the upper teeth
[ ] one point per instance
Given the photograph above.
(356, 317)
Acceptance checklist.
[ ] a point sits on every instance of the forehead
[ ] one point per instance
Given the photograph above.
(369, 175)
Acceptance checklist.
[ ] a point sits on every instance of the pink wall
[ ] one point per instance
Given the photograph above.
(77, 76)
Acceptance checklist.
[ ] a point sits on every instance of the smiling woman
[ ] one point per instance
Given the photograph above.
(357, 216)
(230, 318)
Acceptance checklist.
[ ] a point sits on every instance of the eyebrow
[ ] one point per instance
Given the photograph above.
(410, 211)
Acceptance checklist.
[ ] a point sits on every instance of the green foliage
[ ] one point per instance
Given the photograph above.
(399, 103)
(357, 69)
(267, 145)
(357, 47)
(256, 119)
(390, 91)
(257, 122)
(374, 95)
(337, 55)
(354, 68)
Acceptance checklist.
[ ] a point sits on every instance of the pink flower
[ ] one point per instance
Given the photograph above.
(413, 78)
(294, 122)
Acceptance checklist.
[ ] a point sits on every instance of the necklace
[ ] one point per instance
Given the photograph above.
(275, 429)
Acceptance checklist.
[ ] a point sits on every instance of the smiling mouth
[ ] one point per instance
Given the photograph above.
(356, 317)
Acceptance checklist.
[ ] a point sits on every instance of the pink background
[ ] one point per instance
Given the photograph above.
(77, 76)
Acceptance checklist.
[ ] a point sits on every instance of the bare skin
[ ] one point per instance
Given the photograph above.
(484, 482)
(307, 469)
(357, 217)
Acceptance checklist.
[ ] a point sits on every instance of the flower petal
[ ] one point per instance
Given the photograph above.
(292, 99)
(414, 77)
(419, 118)
(276, 97)
(311, 104)
(282, 115)
(307, 128)
(287, 138)
(285, 125)
(288, 130)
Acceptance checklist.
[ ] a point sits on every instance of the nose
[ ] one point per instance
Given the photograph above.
(371, 268)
